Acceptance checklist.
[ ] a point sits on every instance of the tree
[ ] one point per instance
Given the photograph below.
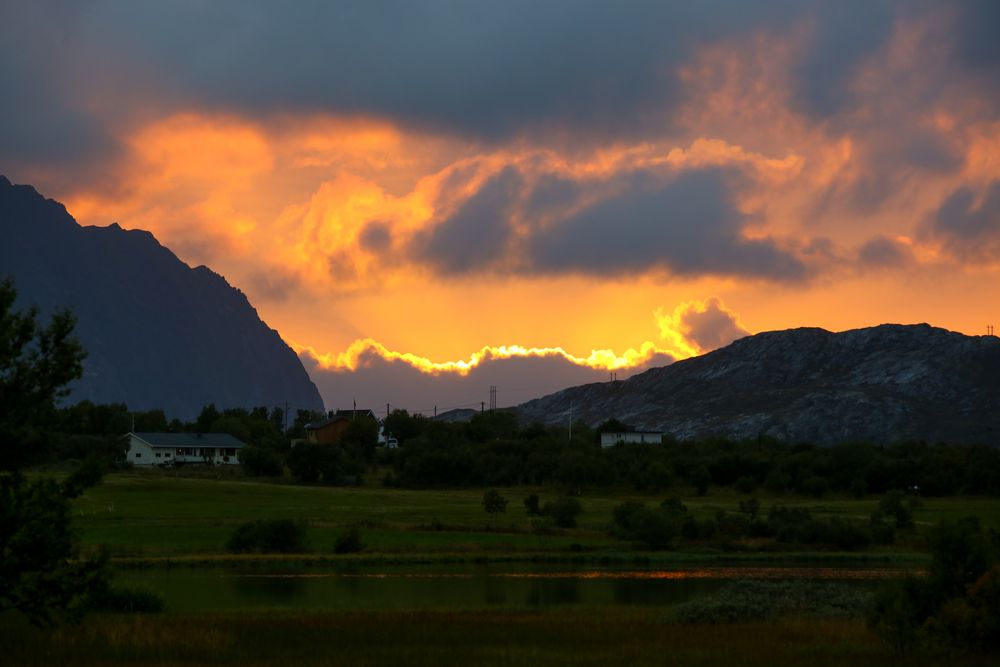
(41, 572)
(36, 365)
(494, 503)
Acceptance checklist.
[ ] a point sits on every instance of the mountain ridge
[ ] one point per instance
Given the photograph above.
(158, 332)
(887, 383)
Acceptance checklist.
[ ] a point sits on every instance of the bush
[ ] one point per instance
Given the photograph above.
(349, 542)
(653, 528)
(268, 536)
(745, 485)
(531, 505)
(622, 516)
(563, 511)
(261, 462)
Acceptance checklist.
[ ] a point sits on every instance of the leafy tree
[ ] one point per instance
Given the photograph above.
(494, 503)
(41, 572)
(36, 365)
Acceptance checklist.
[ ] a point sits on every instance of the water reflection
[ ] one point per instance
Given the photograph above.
(460, 587)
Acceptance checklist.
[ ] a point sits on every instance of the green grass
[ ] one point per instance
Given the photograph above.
(556, 637)
(154, 514)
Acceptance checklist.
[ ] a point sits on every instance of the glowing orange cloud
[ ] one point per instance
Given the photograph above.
(675, 329)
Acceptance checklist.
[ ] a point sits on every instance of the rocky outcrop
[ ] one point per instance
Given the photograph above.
(158, 333)
(881, 384)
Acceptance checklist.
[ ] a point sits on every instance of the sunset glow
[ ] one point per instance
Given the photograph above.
(779, 172)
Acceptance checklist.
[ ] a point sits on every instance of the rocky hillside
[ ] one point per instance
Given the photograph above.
(881, 384)
(158, 333)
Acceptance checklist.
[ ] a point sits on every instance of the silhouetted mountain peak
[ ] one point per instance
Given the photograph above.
(158, 333)
(885, 383)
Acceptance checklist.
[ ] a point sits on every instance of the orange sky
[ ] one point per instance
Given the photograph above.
(353, 230)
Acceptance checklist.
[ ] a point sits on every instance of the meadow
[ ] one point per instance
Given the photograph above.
(148, 515)
(152, 521)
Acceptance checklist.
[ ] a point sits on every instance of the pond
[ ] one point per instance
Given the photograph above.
(454, 587)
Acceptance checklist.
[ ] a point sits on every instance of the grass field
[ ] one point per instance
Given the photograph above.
(149, 514)
(168, 517)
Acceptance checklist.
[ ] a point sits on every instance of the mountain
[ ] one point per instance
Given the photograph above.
(881, 384)
(158, 333)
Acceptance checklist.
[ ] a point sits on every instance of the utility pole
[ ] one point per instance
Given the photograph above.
(482, 407)
(386, 409)
(435, 411)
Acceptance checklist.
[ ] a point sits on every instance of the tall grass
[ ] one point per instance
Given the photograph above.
(559, 637)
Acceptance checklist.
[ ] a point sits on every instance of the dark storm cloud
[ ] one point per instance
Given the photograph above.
(687, 226)
(42, 112)
(977, 42)
(477, 234)
(968, 227)
(844, 34)
(486, 70)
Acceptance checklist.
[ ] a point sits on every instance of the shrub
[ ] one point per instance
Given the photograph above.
(745, 485)
(653, 528)
(898, 506)
(349, 542)
(531, 505)
(563, 511)
(494, 503)
(622, 516)
(261, 462)
(268, 536)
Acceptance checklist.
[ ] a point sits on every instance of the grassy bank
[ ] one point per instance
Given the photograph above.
(554, 637)
(150, 516)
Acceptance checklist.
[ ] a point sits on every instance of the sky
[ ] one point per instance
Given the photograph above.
(430, 198)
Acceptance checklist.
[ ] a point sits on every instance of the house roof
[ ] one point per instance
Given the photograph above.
(189, 440)
(359, 412)
(312, 426)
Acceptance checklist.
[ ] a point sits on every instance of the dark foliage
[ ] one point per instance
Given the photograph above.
(563, 511)
(349, 542)
(268, 536)
(42, 573)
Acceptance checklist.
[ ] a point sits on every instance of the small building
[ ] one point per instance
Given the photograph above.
(629, 437)
(327, 432)
(146, 449)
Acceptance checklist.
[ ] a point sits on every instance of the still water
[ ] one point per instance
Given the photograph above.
(456, 586)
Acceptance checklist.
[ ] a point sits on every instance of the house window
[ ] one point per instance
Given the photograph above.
(157, 455)
(138, 455)
(230, 452)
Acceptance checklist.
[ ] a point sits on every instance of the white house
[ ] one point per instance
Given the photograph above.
(612, 439)
(147, 449)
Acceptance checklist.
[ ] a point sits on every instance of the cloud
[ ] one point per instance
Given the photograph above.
(885, 253)
(518, 379)
(687, 225)
(376, 374)
(700, 326)
(967, 225)
(475, 236)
